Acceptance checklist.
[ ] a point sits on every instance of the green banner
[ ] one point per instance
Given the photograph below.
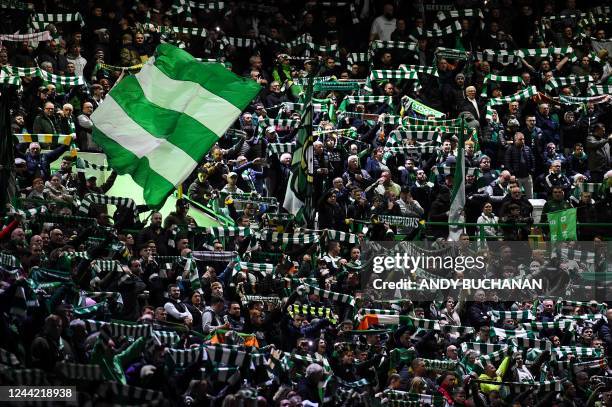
(562, 225)
(420, 108)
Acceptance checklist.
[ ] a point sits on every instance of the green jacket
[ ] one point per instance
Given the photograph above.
(112, 368)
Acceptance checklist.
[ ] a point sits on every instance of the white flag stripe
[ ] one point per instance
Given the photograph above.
(118, 126)
(186, 97)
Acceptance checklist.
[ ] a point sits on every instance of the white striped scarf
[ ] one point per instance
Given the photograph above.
(184, 357)
(342, 236)
(134, 392)
(306, 289)
(412, 149)
(280, 148)
(497, 56)
(37, 36)
(582, 256)
(279, 123)
(39, 21)
(429, 70)
(579, 100)
(418, 135)
(450, 53)
(452, 28)
(222, 256)
(32, 377)
(80, 371)
(101, 199)
(555, 83)
(517, 97)
(498, 78)
(578, 351)
(301, 40)
(226, 355)
(9, 260)
(554, 385)
(530, 343)
(564, 325)
(230, 231)
(482, 348)
(86, 164)
(351, 100)
(295, 238)
(118, 329)
(9, 79)
(44, 75)
(521, 316)
(599, 90)
(239, 42)
(380, 44)
(543, 52)
(454, 14)
(167, 338)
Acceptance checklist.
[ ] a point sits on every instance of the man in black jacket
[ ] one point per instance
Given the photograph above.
(519, 160)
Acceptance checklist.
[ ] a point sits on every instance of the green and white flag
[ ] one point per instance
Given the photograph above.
(562, 225)
(458, 193)
(158, 124)
(298, 197)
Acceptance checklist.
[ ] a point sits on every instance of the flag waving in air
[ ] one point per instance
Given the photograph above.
(158, 124)
(298, 196)
(562, 225)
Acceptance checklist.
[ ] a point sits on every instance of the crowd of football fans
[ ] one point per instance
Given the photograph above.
(134, 307)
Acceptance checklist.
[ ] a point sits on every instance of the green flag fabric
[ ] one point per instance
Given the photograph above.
(458, 192)
(562, 225)
(158, 124)
(300, 185)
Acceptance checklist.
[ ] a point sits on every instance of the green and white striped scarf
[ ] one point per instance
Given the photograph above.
(295, 238)
(579, 100)
(32, 377)
(8, 260)
(226, 355)
(230, 231)
(578, 351)
(498, 78)
(380, 44)
(44, 75)
(452, 28)
(599, 90)
(497, 56)
(530, 343)
(80, 371)
(134, 392)
(522, 316)
(564, 325)
(269, 299)
(543, 52)
(422, 399)
(118, 329)
(280, 148)
(517, 97)
(482, 348)
(279, 123)
(523, 386)
(39, 21)
(184, 357)
(81, 163)
(343, 237)
(555, 83)
(429, 70)
(306, 289)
